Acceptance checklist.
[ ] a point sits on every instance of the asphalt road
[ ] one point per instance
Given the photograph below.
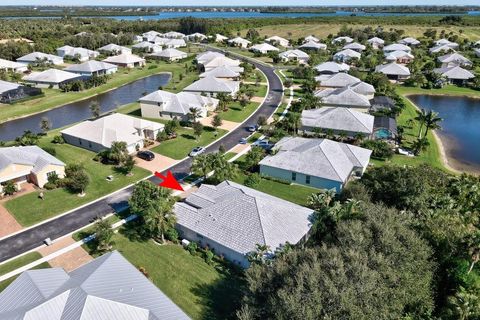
(33, 238)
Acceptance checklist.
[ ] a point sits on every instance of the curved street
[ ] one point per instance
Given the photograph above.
(33, 238)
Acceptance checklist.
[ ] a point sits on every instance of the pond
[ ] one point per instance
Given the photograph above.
(80, 110)
(460, 134)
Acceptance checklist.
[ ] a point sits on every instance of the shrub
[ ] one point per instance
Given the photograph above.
(209, 256)
(50, 186)
(153, 66)
(172, 235)
(58, 139)
(253, 180)
(380, 149)
(192, 248)
(50, 150)
(9, 187)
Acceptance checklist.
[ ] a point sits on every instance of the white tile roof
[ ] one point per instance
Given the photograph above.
(90, 66)
(394, 55)
(332, 67)
(115, 48)
(338, 80)
(441, 48)
(174, 35)
(170, 53)
(397, 47)
(339, 119)
(108, 287)
(393, 69)
(179, 103)
(27, 155)
(7, 86)
(263, 47)
(53, 76)
(7, 64)
(311, 38)
(74, 51)
(454, 57)
(35, 56)
(409, 41)
(318, 157)
(313, 45)
(147, 45)
(345, 97)
(349, 53)
(239, 40)
(208, 56)
(346, 39)
(376, 40)
(455, 73)
(299, 54)
(239, 217)
(446, 42)
(221, 72)
(212, 84)
(124, 58)
(354, 46)
(277, 39)
(363, 88)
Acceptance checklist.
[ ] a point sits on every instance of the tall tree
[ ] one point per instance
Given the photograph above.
(45, 124)
(421, 118)
(95, 109)
(216, 121)
(432, 121)
(197, 129)
(103, 235)
(194, 114)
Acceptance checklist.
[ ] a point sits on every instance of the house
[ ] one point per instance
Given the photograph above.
(339, 120)
(346, 55)
(114, 49)
(170, 42)
(396, 47)
(239, 42)
(169, 55)
(337, 80)
(381, 104)
(455, 75)
(278, 41)
(310, 38)
(51, 78)
(320, 163)
(196, 37)
(209, 61)
(77, 52)
(446, 42)
(232, 220)
(384, 128)
(344, 97)
(174, 35)
(345, 39)
(151, 35)
(28, 164)
(166, 105)
(92, 68)
(263, 48)
(12, 66)
(220, 38)
(477, 52)
(453, 60)
(222, 72)
(126, 60)
(364, 88)
(376, 42)
(355, 46)
(146, 46)
(312, 45)
(99, 134)
(11, 92)
(409, 41)
(37, 57)
(399, 56)
(294, 55)
(108, 287)
(394, 71)
(332, 67)
(441, 49)
(212, 86)
(208, 56)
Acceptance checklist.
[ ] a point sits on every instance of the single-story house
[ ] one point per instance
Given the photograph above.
(222, 72)
(396, 47)
(381, 103)
(344, 97)
(99, 134)
(355, 46)
(337, 80)
(364, 88)
(146, 46)
(211, 86)
(151, 35)
(332, 67)
(210, 62)
(453, 60)
(320, 163)
(166, 105)
(82, 53)
(399, 56)
(345, 39)
(206, 56)
(92, 68)
(239, 42)
(28, 164)
(174, 35)
(376, 42)
(384, 128)
(220, 38)
(278, 41)
(409, 41)
(51, 78)
(12, 66)
(232, 220)
(455, 75)
(295, 55)
(114, 49)
(346, 55)
(444, 48)
(339, 120)
(169, 55)
(36, 57)
(109, 287)
(197, 37)
(312, 45)
(170, 42)
(311, 38)
(447, 42)
(394, 71)
(126, 60)
(10, 92)
(263, 48)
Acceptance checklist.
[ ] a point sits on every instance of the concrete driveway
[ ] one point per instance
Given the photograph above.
(160, 163)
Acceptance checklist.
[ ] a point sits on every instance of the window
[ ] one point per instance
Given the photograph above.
(51, 173)
(160, 113)
(307, 179)
(80, 141)
(294, 176)
(89, 144)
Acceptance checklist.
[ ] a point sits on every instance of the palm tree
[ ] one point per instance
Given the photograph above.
(432, 121)
(224, 100)
(202, 165)
(95, 109)
(420, 145)
(194, 114)
(293, 121)
(161, 220)
(421, 117)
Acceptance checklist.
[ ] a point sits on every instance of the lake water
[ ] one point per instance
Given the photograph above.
(78, 111)
(460, 132)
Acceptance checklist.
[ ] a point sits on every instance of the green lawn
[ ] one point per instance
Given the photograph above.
(54, 98)
(17, 263)
(29, 209)
(201, 290)
(237, 113)
(185, 141)
(450, 90)
(261, 91)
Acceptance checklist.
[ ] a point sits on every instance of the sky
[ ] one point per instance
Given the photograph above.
(237, 2)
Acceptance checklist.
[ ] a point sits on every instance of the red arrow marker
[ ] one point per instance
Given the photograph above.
(169, 181)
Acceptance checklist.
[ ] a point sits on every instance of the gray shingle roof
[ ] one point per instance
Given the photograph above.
(212, 84)
(239, 217)
(345, 97)
(393, 69)
(338, 80)
(363, 88)
(221, 72)
(339, 119)
(109, 287)
(454, 57)
(318, 157)
(456, 73)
